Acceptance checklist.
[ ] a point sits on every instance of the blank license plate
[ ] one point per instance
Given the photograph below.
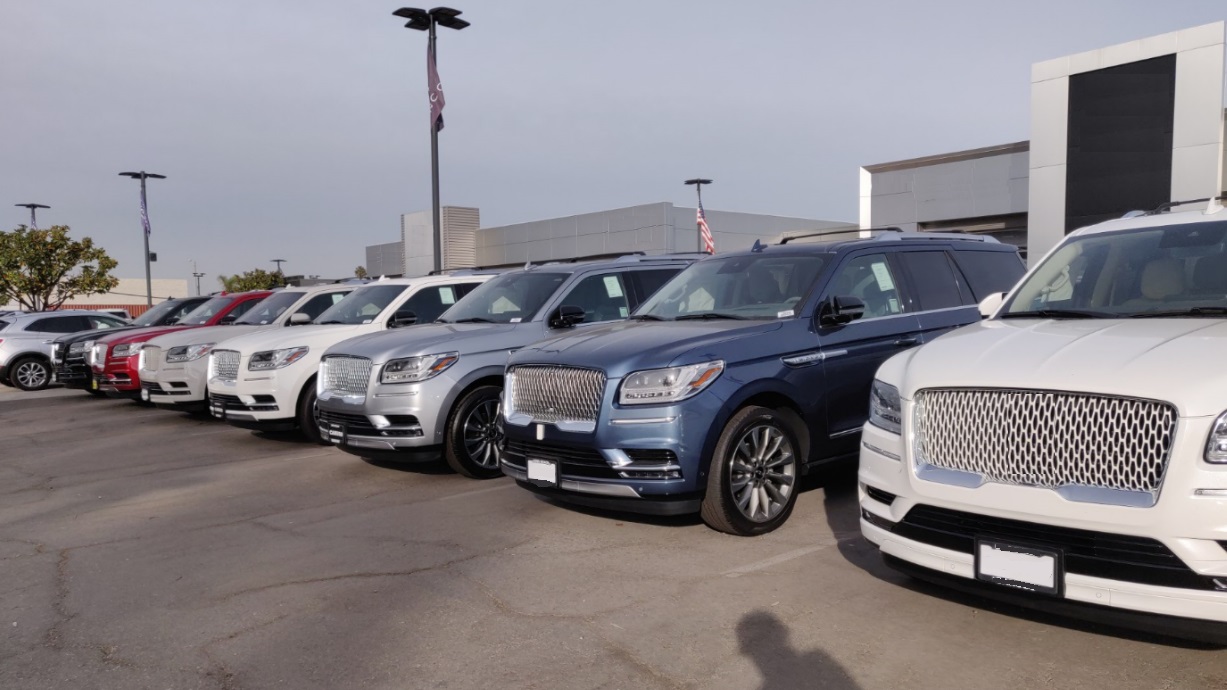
(337, 433)
(1022, 567)
(543, 472)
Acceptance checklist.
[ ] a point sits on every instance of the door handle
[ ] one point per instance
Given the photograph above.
(907, 342)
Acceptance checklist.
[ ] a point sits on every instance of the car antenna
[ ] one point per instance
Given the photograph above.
(758, 247)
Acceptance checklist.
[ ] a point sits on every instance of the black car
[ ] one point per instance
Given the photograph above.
(69, 352)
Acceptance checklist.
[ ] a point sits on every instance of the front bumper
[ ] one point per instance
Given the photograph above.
(1167, 560)
(120, 378)
(177, 386)
(74, 373)
(265, 401)
(403, 418)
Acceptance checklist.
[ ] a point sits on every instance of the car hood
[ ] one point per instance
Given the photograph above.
(434, 338)
(317, 337)
(94, 334)
(1174, 360)
(633, 345)
(203, 334)
(140, 335)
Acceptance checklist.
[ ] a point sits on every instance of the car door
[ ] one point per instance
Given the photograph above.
(937, 292)
(429, 303)
(602, 296)
(852, 352)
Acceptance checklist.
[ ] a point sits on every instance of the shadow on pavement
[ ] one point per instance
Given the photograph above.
(764, 638)
(622, 515)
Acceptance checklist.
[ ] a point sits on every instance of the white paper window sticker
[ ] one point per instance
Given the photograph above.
(367, 320)
(613, 287)
(622, 312)
(783, 314)
(885, 284)
(447, 295)
(516, 320)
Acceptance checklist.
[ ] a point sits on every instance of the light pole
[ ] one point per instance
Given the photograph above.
(700, 218)
(423, 20)
(142, 176)
(33, 208)
(278, 262)
(197, 275)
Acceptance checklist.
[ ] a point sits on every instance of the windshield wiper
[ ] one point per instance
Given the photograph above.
(709, 315)
(1191, 311)
(1057, 314)
(473, 319)
(645, 317)
(328, 322)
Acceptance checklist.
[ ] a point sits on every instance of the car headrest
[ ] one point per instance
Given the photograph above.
(1162, 278)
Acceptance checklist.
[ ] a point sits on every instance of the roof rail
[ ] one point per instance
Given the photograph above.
(960, 235)
(1169, 205)
(826, 233)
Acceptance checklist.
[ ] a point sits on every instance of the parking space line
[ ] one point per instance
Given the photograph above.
(774, 560)
(478, 491)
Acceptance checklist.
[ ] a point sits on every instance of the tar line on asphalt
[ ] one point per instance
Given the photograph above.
(775, 560)
(478, 491)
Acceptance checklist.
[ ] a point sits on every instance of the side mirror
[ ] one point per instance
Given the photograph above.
(989, 305)
(402, 318)
(228, 319)
(299, 319)
(840, 310)
(566, 316)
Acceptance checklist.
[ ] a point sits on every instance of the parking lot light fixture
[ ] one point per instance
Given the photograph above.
(142, 176)
(33, 209)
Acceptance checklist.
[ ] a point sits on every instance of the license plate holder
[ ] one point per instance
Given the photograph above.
(542, 472)
(1028, 568)
(337, 433)
(217, 409)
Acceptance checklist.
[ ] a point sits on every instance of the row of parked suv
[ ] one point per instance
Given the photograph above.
(1064, 442)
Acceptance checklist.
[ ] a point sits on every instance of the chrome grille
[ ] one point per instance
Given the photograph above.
(225, 364)
(346, 374)
(151, 358)
(1048, 439)
(556, 394)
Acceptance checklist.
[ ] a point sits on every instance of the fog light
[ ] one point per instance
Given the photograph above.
(145, 394)
(247, 399)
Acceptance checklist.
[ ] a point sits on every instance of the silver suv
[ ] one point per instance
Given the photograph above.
(25, 339)
(409, 395)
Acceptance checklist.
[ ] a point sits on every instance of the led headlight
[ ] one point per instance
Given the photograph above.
(188, 353)
(885, 407)
(668, 385)
(126, 350)
(414, 369)
(1216, 445)
(275, 359)
(79, 347)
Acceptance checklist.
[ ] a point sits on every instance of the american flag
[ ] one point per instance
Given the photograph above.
(709, 242)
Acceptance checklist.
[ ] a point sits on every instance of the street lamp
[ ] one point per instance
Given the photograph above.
(424, 20)
(700, 217)
(142, 176)
(33, 208)
(278, 262)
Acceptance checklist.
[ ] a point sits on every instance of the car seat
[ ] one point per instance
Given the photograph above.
(1161, 280)
(763, 288)
(1210, 276)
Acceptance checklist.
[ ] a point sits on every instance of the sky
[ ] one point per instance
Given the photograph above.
(299, 130)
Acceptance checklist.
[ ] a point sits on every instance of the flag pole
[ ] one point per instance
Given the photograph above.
(698, 183)
(434, 162)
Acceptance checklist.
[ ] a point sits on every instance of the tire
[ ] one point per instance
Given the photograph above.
(474, 442)
(30, 374)
(308, 413)
(755, 465)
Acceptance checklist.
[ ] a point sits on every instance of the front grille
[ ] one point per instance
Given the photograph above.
(225, 364)
(151, 358)
(575, 461)
(1047, 439)
(346, 374)
(1096, 554)
(884, 497)
(230, 402)
(554, 394)
(354, 423)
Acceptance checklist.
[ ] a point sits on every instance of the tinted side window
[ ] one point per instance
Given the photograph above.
(59, 324)
(869, 278)
(241, 309)
(936, 283)
(181, 311)
(989, 272)
(316, 305)
(103, 322)
(601, 296)
(430, 303)
(651, 281)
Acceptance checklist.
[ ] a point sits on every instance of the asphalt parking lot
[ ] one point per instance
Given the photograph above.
(147, 549)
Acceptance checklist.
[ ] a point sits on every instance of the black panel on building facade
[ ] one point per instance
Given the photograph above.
(1119, 155)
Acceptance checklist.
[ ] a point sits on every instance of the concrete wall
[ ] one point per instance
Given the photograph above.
(385, 259)
(457, 225)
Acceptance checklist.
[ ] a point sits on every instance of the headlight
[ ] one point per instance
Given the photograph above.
(668, 385)
(98, 355)
(189, 353)
(275, 359)
(79, 347)
(414, 369)
(1216, 445)
(885, 407)
(125, 350)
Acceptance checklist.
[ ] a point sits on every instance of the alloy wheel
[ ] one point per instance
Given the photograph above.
(762, 472)
(31, 375)
(483, 438)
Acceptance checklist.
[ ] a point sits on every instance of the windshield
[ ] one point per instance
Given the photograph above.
(201, 315)
(155, 315)
(509, 298)
(748, 287)
(269, 308)
(1173, 270)
(361, 305)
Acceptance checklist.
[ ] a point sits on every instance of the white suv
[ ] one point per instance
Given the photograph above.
(173, 366)
(1074, 445)
(266, 380)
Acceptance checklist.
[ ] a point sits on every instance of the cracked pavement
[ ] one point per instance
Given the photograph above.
(148, 549)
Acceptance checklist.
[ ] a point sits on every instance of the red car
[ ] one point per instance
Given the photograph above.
(114, 357)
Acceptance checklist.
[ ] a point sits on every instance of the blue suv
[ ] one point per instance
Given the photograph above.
(739, 375)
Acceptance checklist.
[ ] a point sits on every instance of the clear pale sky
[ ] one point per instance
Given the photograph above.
(298, 130)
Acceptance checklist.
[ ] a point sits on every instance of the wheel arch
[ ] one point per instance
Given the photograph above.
(770, 393)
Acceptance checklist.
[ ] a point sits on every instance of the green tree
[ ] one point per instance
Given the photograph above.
(360, 272)
(255, 279)
(43, 269)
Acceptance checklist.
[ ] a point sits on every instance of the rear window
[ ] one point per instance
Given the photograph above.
(990, 272)
(3, 324)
